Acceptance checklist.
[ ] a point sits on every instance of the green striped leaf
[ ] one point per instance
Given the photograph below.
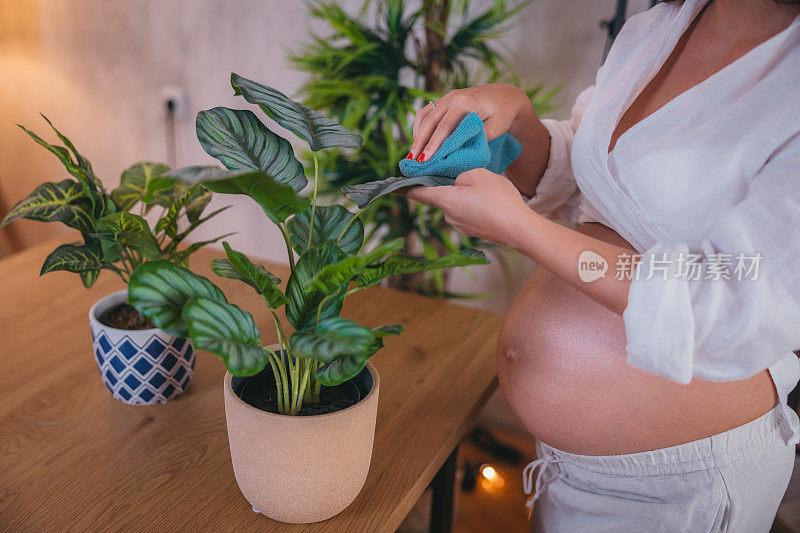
(88, 277)
(195, 205)
(303, 302)
(333, 337)
(329, 221)
(79, 167)
(128, 230)
(83, 259)
(55, 202)
(242, 142)
(161, 289)
(237, 266)
(318, 130)
(279, 201)
(398, 265)
(336, 275)
(169, 222)
(228, 332)
(364, 193)
(139, 183)
(345, 367)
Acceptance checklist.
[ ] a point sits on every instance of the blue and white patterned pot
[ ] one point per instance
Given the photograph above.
(139, 367)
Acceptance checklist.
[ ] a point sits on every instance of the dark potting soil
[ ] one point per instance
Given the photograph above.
(260, 392)
(124, 316)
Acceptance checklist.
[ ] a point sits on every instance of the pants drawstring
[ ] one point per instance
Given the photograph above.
(527, 477)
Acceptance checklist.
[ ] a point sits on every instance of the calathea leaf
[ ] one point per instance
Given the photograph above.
(339, 274)
(331, 338)
(363, 193)
(128, 230)
(303, 302)
(345, 367)
(55, 202)
(329, 221)
(238, 266)
(279, 201)
(83, 259)
(140, 182)
(318, 130)
(242, 142)
(226, 331)
(397, 265)
(160, 290)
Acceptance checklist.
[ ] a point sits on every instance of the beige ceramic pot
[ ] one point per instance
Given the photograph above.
(302, 469)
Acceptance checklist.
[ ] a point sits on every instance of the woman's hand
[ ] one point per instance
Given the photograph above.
(480, 204)
(497, 105)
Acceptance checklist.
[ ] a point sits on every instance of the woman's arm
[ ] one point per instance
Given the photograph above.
(483, 204)
(678, 325)
(527, 170)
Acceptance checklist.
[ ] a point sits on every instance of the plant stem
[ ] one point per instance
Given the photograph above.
(298, 400)
(271, 357)
(316, 385)
(313, 200)
(344, 230)
(321, 304)
(353, 291)
(289, 250)
(282, 340)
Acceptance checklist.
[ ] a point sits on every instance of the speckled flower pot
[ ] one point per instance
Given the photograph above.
(143, 366)
(302, 469)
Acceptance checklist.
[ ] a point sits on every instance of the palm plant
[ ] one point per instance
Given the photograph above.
(373, 77)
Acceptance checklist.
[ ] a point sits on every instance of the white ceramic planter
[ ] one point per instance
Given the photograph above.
(139, 367)
(301, 469)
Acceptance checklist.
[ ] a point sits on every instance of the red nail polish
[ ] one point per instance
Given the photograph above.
(421, 157)
(410, 156)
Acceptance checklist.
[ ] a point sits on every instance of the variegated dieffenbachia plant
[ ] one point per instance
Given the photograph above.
(325, 349)
(114, 237)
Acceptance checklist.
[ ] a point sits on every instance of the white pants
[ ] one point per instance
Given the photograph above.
(732, 481)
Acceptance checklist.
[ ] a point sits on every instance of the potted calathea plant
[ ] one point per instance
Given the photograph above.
(140, 364)
(300, 411)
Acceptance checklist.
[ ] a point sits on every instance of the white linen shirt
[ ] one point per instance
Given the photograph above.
(715, 172)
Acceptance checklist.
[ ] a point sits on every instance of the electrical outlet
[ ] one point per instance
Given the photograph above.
(175, 101)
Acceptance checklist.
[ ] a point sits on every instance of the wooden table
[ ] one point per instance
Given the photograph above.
(72, 457)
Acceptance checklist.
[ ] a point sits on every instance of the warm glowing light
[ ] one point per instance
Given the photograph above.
(489, 472)
(492, 480)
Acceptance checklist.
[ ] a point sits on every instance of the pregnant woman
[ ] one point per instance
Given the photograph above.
(657, 395)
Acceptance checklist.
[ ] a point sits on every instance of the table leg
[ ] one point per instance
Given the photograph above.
(443, 486)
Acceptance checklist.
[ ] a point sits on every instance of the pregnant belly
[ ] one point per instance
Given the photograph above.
(562, 366)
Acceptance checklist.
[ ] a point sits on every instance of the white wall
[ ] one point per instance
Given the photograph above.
(99, 70)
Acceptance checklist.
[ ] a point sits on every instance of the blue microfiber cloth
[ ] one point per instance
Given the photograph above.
(466, 149)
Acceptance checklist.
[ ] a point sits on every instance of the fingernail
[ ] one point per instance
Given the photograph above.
(421, 157)
(410, 156)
